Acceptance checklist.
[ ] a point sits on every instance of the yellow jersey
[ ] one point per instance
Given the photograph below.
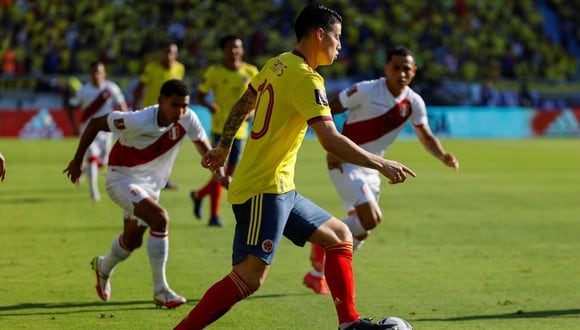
(153, 77)
(290, 95)
(227, 86)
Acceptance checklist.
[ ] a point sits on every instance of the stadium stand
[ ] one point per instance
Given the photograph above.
(459, 43)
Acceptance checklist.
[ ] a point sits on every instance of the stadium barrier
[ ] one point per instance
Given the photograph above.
(446, 122)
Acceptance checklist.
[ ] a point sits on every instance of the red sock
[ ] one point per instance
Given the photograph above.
(217, 301)
(340, 279)
(215, 198)
(205, 189)
(317, 257)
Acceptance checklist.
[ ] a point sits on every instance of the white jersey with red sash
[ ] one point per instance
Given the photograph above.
(145, 151)
(375, 117)
(97, 101)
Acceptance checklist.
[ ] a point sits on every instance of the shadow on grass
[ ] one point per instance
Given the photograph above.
(25, 309)
(516, 315)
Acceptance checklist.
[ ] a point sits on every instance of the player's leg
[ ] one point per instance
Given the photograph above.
(349, 194)
(254, 248)
(308, 222)
(121, 249)
(315, 279)
(92, 169)
(157, 218)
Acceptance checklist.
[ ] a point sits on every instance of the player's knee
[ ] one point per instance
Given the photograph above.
(160, 221)
(343, 234)
(372, 222)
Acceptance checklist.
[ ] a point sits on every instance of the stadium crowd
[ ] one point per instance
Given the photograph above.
(463, 40)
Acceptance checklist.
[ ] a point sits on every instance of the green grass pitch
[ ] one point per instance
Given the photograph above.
(494, 246)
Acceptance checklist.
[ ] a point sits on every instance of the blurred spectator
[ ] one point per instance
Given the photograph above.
(525, 96)
(519, 39)
(490, 96)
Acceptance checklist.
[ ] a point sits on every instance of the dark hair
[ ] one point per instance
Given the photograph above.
(95, 64)
(174, 87)
(168, 43)
(315, 16)
(400, 51)
(227, 38)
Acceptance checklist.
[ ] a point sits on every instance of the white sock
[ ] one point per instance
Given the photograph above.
(317, 273)
(355, 226)
(92, 171)
(158, 249)
(115, 256)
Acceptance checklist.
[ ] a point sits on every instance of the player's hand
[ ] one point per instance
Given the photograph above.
(215, 158)
(451, 161)
(395, 171)
(214, 108)
(73, 171)
(223, 179)
(333, 163)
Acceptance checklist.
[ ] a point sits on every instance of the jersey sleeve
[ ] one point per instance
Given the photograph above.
(352, 97)
(122, 122)
(196, 132)
(309, 98)
(205, 85)
(419, 115)
(145, 76)
(118, 96)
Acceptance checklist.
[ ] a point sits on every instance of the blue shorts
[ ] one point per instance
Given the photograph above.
(263, 219)
(234, 157)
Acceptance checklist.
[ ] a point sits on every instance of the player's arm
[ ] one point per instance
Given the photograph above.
(332, 162)
(123, 106)
(342, 147)
(201, 99)
(70, 109)
(336, 107)
(74, 168)
(216, 157)
(434, 147)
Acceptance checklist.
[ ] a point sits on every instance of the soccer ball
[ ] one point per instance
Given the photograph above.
(395, 323)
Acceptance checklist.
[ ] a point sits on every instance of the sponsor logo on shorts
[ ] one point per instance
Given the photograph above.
(267, 245)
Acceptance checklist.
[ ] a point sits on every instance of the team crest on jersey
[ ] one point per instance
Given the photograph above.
(119, 123)
(267, 245)
(351, 91)
(320, 97)
(174, 133)
(404, 109)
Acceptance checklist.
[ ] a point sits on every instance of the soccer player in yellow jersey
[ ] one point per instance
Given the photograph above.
(288, 95)
(156, 73)
(228, 81)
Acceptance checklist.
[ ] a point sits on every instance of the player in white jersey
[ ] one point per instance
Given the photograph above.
(378, 111)
(139, 165)
(98, 97)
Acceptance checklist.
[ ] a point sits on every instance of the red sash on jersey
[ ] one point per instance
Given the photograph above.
(129, 156)
(97, 103)
(371, 129)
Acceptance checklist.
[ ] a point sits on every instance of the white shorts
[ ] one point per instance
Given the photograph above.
(100, 147)
(356, 185)
(125, 191)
